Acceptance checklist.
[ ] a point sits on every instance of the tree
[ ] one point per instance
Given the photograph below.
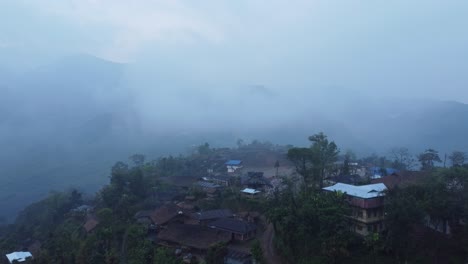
(257, 252)
(324, 155)
(240, 143)
(309, 224)
(383, 171)
(137, 184)
(402, 158)
(138, 159)
(403, 209)
(75, 197)
(428, 158)
(447, 195)
(216, 253)
(457, 158)
(373, 243)
(204, 149)
(302, 160)
(118, 174)
(105, 216)
(348, 157)
(277, 165)
(163, 256)
(136, 247)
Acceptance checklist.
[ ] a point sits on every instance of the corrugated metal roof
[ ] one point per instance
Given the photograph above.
(250, 191)
(19, 256)
(362, 191)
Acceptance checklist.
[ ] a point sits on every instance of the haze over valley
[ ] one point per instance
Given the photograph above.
(79, 91)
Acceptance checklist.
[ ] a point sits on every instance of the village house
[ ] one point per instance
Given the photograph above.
(186, 205)
(90, 224)
(221, 180)
(402, 179)
(367, 203)
(205, 217)
(144, 217)
(250, 193)
(167, 213)
(182, 182)
(233, 165)
(196, 238)
(20, 256)
(251, 217)
(238, 229)
(211, 189)
(255, 180)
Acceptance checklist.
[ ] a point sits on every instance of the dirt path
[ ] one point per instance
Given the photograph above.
(268, 248)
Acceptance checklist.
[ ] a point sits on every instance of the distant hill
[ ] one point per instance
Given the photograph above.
(58, 129)
(64, 124)
(416, 125)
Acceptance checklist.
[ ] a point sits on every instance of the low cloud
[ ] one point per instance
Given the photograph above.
(135, 24)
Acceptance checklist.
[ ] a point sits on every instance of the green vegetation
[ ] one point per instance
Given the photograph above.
(216, 253)
(257, 252)
(310, 226)
(313, 163)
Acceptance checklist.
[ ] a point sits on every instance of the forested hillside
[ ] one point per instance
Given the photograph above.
(424, 219)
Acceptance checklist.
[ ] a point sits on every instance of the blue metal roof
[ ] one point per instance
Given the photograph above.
(233, 162)
(378, 170)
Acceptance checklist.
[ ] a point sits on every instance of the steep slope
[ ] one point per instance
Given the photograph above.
(57, 129)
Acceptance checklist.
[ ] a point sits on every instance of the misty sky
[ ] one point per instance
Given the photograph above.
(382, 48)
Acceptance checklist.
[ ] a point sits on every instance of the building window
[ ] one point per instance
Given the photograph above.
(358, 227)
(360, 214)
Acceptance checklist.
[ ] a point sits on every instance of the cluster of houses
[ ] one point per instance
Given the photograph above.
(250, 184)
(179, 225)
(191, 233)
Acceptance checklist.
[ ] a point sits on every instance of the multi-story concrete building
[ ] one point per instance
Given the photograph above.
(367, 203)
